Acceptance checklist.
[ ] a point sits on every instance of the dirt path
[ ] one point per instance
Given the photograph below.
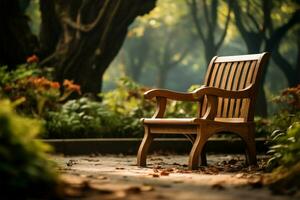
(167, 177)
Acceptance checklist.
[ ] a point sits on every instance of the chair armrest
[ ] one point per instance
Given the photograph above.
(211, 91)
(178, 96)
(213, 94)
(162, 95)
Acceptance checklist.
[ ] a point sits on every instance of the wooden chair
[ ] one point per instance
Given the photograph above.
(226, 104)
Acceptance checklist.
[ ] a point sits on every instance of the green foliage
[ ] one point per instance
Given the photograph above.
(118, 115)
(19, 84)
(183, 108)
(82, 118)
(285, 161)
(23, 164)
(282, 120)
(127, 101)
(21, 72)
(37, 93)
(262, 127)
(286, 147)
(288, 103)
(289, 109)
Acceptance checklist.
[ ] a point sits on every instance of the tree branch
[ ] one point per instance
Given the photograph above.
(284, 65)
(238, 20)
(252, 18)
(206, 16)
(193, 8)
(214, 14)
(84, 27)
(279, 33)
(221, 40)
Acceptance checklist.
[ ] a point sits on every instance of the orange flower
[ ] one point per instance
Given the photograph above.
(75, 88)
(32, 59)
(67, 83)
(55, 85)
(70, 86)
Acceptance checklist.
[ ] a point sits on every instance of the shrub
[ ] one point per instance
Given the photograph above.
(286, 147)
(288, 106)
(262, 127)
(36, 92)
(285, 161)
(24, 167)
(118, 115)
(289, 109)
(285, 141)
(82, 118)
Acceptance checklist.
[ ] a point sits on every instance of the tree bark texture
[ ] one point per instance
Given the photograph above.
(89, 36)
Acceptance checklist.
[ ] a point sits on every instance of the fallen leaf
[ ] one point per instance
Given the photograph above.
(170, 169)
(120, 168)
(157, 167)
(71, 162)
(133, 189)
(164, 173)
(218, 186)
(232, 161)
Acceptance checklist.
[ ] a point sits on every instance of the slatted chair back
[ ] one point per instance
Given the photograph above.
(234, 73)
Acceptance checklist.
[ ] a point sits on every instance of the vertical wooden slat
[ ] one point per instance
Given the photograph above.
(236, 80)
(231, 73)
(245, 102)
(241, 85)
(251, 73)
(211, 67)
(255, 72)
(223, 85)
(218, 76)
(204, 106)
(217, 84)
(230, 87)
(210, 79)
(214, 72)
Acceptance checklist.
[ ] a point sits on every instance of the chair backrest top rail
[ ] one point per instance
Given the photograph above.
(240, 58)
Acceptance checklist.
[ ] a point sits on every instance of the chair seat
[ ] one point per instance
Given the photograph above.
(191, 121)
(178, 121)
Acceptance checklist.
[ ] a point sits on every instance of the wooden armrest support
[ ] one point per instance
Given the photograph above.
(211, 91)
(178, 96)
(161, 99)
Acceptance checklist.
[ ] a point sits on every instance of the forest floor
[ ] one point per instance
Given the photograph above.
(166, 177)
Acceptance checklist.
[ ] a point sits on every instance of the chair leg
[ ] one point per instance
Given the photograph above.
(143, 149)
(203, 160)
(250, 147)
(251, 152)
(196, 154)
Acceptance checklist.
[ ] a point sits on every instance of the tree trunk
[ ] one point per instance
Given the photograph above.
(161, 77)
(92, 32)
(50, 28)
(17, 41)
